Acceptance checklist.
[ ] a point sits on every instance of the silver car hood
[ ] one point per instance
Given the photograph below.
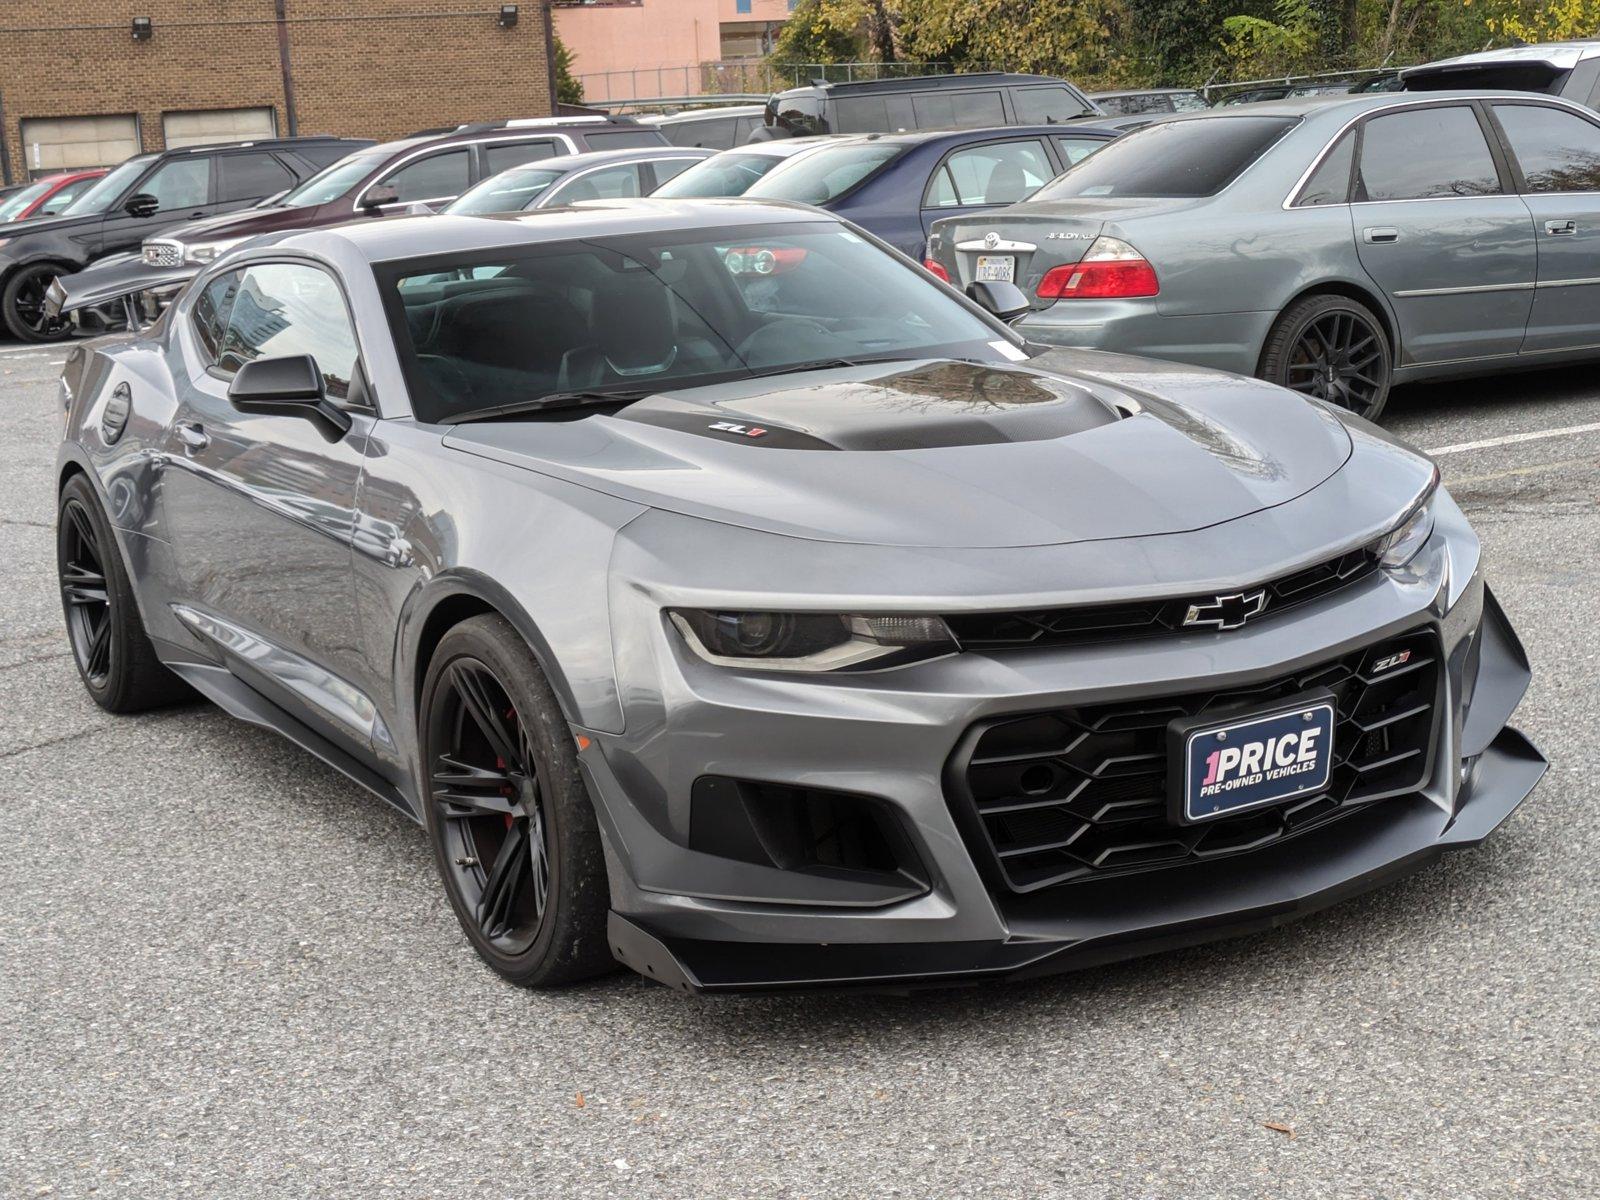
(1072, 447)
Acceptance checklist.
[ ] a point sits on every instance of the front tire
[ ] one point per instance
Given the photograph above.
(512, 828)
(115, 659)
(22, 303)
(1333, 348)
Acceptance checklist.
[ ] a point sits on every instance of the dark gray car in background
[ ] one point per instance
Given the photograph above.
(1332, 245)
(730, 598)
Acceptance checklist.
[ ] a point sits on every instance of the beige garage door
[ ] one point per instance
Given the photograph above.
(59, 143)
(218, 125)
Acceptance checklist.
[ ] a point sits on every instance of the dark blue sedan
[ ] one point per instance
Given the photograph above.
(897, 184)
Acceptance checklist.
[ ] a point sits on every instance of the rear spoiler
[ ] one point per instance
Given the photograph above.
(121, 288)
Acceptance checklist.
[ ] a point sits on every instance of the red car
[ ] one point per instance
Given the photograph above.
(47, 196)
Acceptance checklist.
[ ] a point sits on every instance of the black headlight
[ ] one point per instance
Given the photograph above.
(779, 641)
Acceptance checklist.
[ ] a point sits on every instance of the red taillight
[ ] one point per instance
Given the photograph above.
(1111, 270)
(934, 269)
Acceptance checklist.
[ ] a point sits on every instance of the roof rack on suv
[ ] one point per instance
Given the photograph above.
(928, 82)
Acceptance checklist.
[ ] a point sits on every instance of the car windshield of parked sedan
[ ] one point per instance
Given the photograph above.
(17, 203)
(1195, 157)
(824, 175)
(726, 174)
(509, 191)
(332, 182)
(634, 314)
(107, 189)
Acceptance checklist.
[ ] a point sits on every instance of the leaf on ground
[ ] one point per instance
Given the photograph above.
(579, 1100)
(1278, 1127)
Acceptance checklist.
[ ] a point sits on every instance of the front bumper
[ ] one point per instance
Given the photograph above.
(706, 923)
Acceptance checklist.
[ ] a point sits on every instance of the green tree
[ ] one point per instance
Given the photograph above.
(1545, 21)
(569, 88)
(1288, 44)
(1081, 39)
(822, 31)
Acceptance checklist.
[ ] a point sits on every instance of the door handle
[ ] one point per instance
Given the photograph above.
(1375, 234)
(1556, 228)
(193, 436)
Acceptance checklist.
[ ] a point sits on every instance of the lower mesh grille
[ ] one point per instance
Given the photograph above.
(1072, 794)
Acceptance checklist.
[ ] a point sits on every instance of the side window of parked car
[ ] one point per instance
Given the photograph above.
(181, 183)
(502, 155)
(250, 177)
(1558, 151)
(211, 313)
(607, 184)
(432, 178)
(665, 168)
(1043, 105)
(958, 110)
(1423, 154)
(998, 173)
(283, 309)
(1075, 150)
(1330, 182)
(65, 196)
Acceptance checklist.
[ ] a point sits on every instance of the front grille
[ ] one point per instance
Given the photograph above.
(1073, 794)
(1105, 622)
(162, 254)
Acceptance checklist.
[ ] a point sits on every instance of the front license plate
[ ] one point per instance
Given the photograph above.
(996, 268)
(1252, 761)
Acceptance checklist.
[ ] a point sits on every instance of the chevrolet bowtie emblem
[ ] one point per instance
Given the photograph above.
(1230, 611)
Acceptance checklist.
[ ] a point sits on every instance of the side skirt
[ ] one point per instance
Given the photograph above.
(236, 698)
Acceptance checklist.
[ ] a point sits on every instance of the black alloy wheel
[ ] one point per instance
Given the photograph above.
(24, 305)
(513, 829)
(1332, 348)
(85, 594)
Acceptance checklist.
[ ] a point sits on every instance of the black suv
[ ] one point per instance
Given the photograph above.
(144, 195)
(973, 101)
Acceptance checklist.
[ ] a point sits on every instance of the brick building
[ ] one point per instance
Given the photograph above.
(87, 85)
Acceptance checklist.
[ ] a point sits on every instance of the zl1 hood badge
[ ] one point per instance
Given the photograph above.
(749, 431)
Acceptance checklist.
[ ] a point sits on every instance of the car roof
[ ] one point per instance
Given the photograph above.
(918, 137)
(593, 158)
(917, 83)
(1350, 103)
(386, 239)
(704, 114)
(1557, 54)
(1162, 91)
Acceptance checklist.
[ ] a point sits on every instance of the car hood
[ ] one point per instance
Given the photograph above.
(17, 229)
(1072, 446)
(245, 223)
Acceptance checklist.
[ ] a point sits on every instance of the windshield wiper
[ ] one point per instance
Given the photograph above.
(831, 364)
(547, 403)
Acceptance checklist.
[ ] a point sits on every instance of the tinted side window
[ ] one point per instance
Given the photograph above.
(996, 174)
(624, 139)
(282, 309)
(250, 177)
(325, 154)
(211, 313)
(1428, 152)
(1558, 151)
(608, 184)
(1076, 149)
(1042, 105)
(501, 155)
(961, 110)
(861, 114)
(716, 133)
(1330, 182)
(181, 183)
(431, 178)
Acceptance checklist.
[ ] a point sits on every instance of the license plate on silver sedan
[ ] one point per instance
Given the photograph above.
(996, 268)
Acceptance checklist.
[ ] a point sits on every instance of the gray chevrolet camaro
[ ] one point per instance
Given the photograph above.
(729, 598)
(1335, 245)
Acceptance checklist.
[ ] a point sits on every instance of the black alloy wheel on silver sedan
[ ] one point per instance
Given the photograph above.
(1333, 348)
(513, 830)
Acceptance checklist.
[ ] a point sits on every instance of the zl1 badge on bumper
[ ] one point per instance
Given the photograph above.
(1253, 760)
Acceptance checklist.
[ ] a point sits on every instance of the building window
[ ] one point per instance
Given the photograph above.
(741, 6)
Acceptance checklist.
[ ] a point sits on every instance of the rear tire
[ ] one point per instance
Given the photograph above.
(1333, 348)
(513, 829)
(22, 303)
(115, 659)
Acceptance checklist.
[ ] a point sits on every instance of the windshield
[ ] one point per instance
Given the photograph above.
(329, 184)
(510, 191)
(13, 205)
(728, 174)
(825, 174)
(1197, 157)
(107, 189)
(652, 311)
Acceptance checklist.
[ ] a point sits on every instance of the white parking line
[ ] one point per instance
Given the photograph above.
(1512, 439)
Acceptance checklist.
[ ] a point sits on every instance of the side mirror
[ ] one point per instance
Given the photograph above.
(142, 204)
(288, 387)
(1005, 300)
(378, 196)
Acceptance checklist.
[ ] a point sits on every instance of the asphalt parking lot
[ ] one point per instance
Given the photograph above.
(225, 971)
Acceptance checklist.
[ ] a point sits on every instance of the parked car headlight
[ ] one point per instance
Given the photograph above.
(776, 641)
(1401, 544)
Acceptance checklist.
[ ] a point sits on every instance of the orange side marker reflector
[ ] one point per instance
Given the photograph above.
(583, 742)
